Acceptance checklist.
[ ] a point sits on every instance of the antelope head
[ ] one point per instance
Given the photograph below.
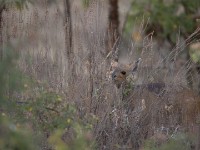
(121, 72)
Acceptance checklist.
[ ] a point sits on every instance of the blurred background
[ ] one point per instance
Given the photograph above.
(55, 64)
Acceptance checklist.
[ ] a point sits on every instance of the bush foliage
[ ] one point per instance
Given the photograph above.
(165, 18)
(30, 110)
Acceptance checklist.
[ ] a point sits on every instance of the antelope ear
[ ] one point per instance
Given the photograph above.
(114, 64)
(136, 65)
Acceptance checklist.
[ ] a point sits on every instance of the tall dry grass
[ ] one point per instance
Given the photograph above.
(123, 121)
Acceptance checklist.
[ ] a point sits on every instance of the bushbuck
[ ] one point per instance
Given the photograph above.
(158, 103)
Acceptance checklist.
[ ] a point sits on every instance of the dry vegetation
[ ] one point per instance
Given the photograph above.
(156, 107)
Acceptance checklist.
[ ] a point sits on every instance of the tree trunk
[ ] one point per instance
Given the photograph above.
(68, 27)
(69, 45)
(112, 33)
(113, 28)
(1, 33)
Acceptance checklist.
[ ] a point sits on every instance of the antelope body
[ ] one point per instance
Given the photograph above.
(161, 97)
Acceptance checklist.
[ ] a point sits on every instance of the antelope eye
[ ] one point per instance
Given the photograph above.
(123, 72)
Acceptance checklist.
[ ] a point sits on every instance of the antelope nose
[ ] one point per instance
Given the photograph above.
(114, 76)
